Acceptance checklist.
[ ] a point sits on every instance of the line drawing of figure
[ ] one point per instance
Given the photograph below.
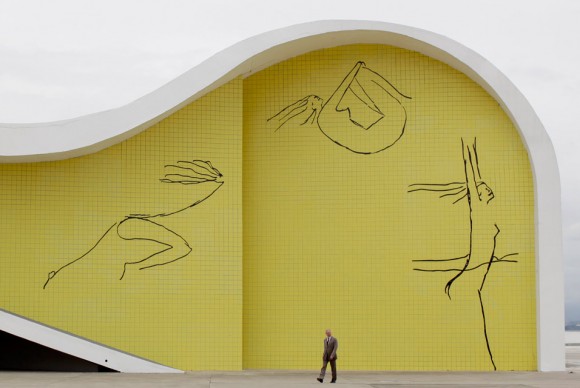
(483, 233)
(365, 114)
(149, 227)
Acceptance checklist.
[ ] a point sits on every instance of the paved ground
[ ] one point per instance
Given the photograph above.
(285, 379)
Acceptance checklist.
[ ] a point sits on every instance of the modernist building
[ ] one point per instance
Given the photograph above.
(377, 179)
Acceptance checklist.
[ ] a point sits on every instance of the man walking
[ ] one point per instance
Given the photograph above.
(329, 355)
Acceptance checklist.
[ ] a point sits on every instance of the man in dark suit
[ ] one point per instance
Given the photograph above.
(329, 355)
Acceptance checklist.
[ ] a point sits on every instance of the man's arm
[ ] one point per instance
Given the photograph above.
(468, 156)
(334, 349)
(334, 100)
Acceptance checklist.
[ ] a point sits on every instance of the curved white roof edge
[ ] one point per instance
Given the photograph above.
(91, 133)
(78, 347)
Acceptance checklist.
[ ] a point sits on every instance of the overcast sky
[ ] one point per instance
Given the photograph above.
(60, 59)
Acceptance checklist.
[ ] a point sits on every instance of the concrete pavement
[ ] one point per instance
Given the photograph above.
(302, 379)
(285, 379)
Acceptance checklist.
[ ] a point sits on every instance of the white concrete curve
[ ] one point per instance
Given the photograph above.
(87, 134)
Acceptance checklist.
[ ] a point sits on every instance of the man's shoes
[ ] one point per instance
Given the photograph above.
(333, 381)
(319, 380)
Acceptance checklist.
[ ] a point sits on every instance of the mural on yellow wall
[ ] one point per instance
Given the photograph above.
(365, 114)
(148, 226)
(162, 198)
(353, 241)
(305, 234)
(483, 231)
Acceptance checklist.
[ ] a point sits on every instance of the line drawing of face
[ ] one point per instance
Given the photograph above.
(485, 192)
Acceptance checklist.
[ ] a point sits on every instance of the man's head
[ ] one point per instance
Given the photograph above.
(485, 192)
(328, 332)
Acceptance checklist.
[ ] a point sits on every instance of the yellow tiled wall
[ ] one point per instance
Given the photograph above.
(330, 235)
(186, 314)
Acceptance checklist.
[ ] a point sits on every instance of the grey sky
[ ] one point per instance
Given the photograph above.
(60, 59)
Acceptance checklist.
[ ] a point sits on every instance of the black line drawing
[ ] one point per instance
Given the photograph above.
(482, 233)
(175, 246)
(365, 114)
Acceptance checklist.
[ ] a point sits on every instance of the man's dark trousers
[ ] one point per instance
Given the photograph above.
(332, 368)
